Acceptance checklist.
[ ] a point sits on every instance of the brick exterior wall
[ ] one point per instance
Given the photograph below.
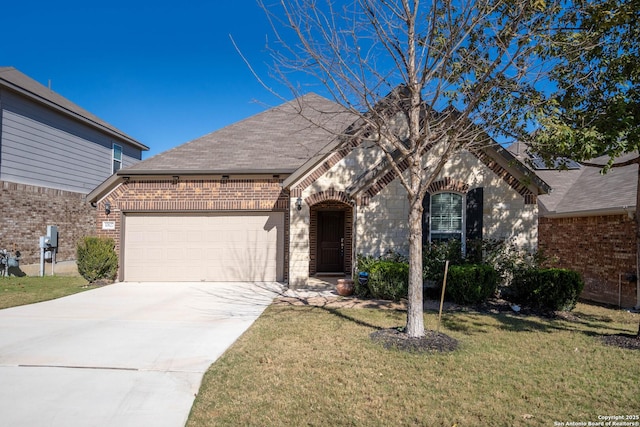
(600, 248)
(26, 211)
(192, 196)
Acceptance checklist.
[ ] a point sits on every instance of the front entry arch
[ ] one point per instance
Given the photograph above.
(331, 244)
(330, 237)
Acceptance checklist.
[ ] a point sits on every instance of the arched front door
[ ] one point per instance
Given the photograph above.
(330, 237)
(331, 241)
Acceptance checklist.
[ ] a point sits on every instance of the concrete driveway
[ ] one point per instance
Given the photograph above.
(128, 354)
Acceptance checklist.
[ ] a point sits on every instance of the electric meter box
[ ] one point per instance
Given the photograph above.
(52, 235)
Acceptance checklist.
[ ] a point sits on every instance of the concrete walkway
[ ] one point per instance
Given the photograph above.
(128, 354)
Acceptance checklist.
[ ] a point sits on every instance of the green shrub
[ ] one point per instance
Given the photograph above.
(434, 257)
(471, 284)
(364, 264)
(387, 279)
(97, 258)
(548, 289)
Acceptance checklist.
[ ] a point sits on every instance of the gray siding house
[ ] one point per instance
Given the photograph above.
(52, 153)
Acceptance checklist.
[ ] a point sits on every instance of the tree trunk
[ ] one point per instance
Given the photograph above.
(415, 310)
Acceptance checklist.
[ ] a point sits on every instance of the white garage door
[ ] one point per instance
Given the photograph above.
(215, 247)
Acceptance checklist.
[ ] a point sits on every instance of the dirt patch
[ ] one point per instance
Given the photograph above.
(432, 341)
(628, 341)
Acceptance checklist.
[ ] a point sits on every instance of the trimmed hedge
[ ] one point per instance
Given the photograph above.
(471, 284)
(435, 255)
(387, 280)
(548, 289)
(97, 258)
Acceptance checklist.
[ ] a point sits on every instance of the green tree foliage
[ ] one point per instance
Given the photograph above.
(97, 258)
(596, 107)
(595, 110)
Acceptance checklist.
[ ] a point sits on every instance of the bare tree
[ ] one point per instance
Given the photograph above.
(455, 72)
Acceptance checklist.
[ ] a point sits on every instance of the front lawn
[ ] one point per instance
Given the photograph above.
(16, 291)
(318, 367)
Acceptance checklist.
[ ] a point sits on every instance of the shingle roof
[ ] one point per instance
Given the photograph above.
(17, 81)
(586, 190)
(278, 140)
(592, 191)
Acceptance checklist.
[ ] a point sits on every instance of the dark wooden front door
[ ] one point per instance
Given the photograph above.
(330, 241)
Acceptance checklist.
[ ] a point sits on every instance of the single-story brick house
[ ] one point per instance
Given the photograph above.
(279, 197)
(587, 224)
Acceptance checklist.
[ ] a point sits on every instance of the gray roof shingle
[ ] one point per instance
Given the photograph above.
(278, 140)
(586, 190)
(590, 190)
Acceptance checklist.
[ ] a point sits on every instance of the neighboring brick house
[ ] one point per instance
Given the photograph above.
(52, 153)
(587, 223)
(278, 197)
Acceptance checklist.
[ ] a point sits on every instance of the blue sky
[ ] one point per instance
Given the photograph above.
(162, 72)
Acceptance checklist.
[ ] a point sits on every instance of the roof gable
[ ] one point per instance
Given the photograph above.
(378, 176)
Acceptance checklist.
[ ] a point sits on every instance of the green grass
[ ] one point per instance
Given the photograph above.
(317, 367)
(16, 291)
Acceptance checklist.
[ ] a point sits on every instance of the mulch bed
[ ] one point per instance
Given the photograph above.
(628, 341)
(432, 341)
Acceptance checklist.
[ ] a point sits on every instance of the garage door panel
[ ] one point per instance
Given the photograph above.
(216, 247)
(195, 254)
(173, 236)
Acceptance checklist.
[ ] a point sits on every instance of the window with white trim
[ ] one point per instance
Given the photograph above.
(117, 158)
(447, 217)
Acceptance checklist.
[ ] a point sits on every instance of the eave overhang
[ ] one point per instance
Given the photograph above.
(72, 114)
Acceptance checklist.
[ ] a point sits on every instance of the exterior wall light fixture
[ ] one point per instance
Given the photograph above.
(299, 204)
(107, 207)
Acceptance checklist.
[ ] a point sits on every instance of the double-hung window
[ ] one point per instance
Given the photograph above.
(447, 217)
(117, 158)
